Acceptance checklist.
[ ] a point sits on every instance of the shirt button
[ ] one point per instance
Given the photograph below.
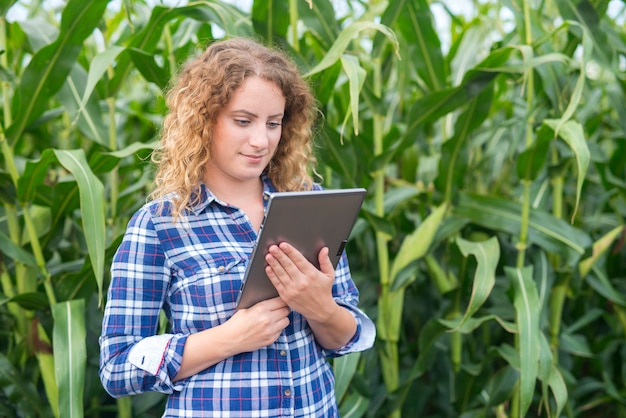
(283, 353)
(287, 392)
(220, 269)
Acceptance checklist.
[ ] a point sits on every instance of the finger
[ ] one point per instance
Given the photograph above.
(276, 281)
(282, 265)
(294, 260)
(326, 266)
(272, 304)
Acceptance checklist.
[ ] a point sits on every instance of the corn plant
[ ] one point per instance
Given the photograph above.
(490, 250)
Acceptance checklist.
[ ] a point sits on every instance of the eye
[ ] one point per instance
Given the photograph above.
(273, 124)
(242, 122)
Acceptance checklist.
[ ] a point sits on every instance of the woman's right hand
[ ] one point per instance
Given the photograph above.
(259, 325)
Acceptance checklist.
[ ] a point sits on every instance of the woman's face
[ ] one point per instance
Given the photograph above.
(246, 133)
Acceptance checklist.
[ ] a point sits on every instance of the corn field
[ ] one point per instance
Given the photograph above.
(491, 139)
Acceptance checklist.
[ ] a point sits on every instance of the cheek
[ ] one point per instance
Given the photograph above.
(274, 138)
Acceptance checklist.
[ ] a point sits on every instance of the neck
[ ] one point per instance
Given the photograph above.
(235, 193)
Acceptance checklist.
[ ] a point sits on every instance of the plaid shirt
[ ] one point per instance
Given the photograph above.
(193, 271)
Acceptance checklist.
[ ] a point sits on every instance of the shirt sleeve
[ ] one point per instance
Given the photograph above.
(133, 358)
(347, 295)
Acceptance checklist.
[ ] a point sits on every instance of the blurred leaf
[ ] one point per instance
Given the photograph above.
(344, 368)
(600, 247)
(270, 18)
(23, 391)
(442, 102)
(585, 14)
(427, 344)
(5, 5)
(500, 385)
(104, 162)
(148, 67)
(9, 249)
(339, 156)
(50, 66)
(146, 40)
(600, 283)
(355, 406)
(32, 301)
(576, 344)
(320, 21)
(531, 161)
(471, 324)
(443, 279)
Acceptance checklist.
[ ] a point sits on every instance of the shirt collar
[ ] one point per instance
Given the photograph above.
(207, 197)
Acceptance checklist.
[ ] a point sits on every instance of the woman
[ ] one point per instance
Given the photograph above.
(239, 125)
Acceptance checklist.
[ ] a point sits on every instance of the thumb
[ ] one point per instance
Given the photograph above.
(325, 264)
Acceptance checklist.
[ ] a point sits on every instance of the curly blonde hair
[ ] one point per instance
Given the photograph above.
(204, 86)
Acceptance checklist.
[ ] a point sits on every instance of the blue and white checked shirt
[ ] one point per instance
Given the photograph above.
(193, 271)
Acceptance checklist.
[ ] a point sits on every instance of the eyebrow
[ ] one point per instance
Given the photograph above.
(278, 115)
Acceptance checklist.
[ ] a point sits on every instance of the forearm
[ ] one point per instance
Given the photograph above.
(335, 328)
(248, 330)
(205, 349)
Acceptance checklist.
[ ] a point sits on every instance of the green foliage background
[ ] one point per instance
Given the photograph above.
(490, 250)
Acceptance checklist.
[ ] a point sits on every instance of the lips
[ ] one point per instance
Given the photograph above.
(254, 158)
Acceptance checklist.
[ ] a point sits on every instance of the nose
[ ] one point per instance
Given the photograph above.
(260, 136)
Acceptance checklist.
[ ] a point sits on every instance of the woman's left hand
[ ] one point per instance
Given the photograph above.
(300, 284)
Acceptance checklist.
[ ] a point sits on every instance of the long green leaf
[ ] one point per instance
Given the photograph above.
(45, 360)
(526, 303)
(34, 175)
(573, 134)
(356, 78)
(551, 378)
(70, 355)
(97, 68)
(416, 24)
(88, 115)
(455, 152)
(552, 234)
(91, 193)
(320, 21)
(346, 36)
(415, 245)
(487, 255)
(92, 208)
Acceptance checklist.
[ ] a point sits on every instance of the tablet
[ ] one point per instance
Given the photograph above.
(308, 220)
